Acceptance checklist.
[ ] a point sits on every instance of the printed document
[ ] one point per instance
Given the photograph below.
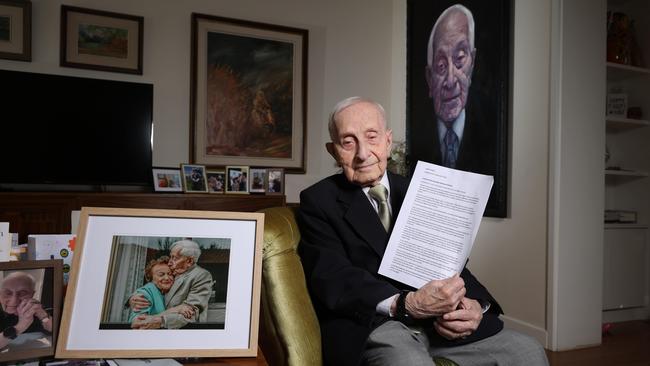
(437, 224)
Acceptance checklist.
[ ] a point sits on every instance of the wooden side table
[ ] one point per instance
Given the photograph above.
(230, 361)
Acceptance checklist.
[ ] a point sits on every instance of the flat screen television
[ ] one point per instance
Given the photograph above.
(74, 131)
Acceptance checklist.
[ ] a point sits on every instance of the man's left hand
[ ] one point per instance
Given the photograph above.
(146, 322)
(461, 322)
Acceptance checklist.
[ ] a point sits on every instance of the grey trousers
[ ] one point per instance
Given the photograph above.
(393, 343)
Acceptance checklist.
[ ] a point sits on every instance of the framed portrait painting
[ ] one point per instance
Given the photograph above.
(101, 40)
(248, 93)
(458, 88)
(200, 272)
(16, 30)
(37, 284)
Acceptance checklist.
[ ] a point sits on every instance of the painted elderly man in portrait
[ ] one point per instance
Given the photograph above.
(462, 129)
(192, 288)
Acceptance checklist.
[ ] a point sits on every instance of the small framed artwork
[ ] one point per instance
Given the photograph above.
(216, 180)
(16, 30)
(101, 40)
(237, 179)
(200, 271)
(38, 284)
(167, 180)
(243, 112)
(275, 183)
(257, 180)
(194, 178)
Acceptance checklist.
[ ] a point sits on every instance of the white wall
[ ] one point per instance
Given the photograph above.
(355, 48)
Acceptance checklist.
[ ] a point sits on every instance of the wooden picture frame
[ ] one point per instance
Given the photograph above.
(194, 178)
(243, 112)
(237, 179)
(16, 30)
(113, 248)
(483, 99)
(36, 341)
(101, 40)
(257, 181)
(216, 180)
(275, 181)
(167, 180)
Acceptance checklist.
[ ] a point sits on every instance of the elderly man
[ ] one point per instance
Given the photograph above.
(192, 288)
(366, 318)
(21, 313)
(464, 125)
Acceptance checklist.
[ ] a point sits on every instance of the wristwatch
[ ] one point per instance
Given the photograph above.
(401, 314)
(10, 332)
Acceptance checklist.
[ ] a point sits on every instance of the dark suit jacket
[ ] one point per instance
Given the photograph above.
(342, 245)
(478, 145)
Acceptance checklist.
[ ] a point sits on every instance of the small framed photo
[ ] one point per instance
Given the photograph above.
(40, 283)
(16, 30)
(101, 40)
(216, 180)
(275, 184)
(167, 180)
(257, 180)
(199, 270)
(237, 179)
(194, 178)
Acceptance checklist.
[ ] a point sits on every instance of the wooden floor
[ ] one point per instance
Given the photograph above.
(626, 344)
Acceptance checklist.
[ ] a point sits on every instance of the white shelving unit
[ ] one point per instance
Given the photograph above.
(626, 288)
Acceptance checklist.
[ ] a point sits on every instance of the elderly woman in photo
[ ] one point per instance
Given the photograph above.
(21, 313)
(190, 292)
(159, 280)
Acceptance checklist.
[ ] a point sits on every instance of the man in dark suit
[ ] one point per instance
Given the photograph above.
(365, 317)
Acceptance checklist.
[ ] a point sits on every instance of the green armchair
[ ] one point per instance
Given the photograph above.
(289, 331)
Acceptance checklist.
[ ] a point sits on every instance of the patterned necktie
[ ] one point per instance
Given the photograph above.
(380, 194)
(451, 142)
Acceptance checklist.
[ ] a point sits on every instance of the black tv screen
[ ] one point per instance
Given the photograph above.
(70, 130)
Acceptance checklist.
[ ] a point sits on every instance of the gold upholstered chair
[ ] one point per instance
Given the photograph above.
(289, 330)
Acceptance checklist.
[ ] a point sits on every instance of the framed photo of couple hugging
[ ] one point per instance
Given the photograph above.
(163, 283)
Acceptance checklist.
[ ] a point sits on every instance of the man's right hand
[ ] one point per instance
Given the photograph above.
(137, 302)
(436, 297)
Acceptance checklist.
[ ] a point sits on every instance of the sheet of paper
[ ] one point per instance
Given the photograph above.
(437, 224)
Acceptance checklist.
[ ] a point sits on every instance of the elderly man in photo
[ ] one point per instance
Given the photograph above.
(192, 288)
(21, 313)
(366, 318)
(463, 137)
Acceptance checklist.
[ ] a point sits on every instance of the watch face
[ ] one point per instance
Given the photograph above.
(9, 332)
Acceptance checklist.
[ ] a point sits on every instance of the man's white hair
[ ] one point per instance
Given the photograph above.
(348, 102)
(189, 248)
(445, 14)
(22, 276)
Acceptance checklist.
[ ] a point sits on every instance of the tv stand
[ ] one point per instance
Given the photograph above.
(49, 212)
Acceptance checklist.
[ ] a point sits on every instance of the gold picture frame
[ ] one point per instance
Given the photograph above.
(113, 246)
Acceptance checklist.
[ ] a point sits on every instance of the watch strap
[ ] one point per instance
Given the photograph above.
(401, 314)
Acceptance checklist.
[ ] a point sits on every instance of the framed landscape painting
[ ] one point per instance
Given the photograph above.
(248, 93)
(458, 88)
(200, 271)
(16, 30)
(101, 40)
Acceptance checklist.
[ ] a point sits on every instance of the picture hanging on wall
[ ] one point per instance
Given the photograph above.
(16, 30)
(248, 93)
(458, 88)
(101, 40)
